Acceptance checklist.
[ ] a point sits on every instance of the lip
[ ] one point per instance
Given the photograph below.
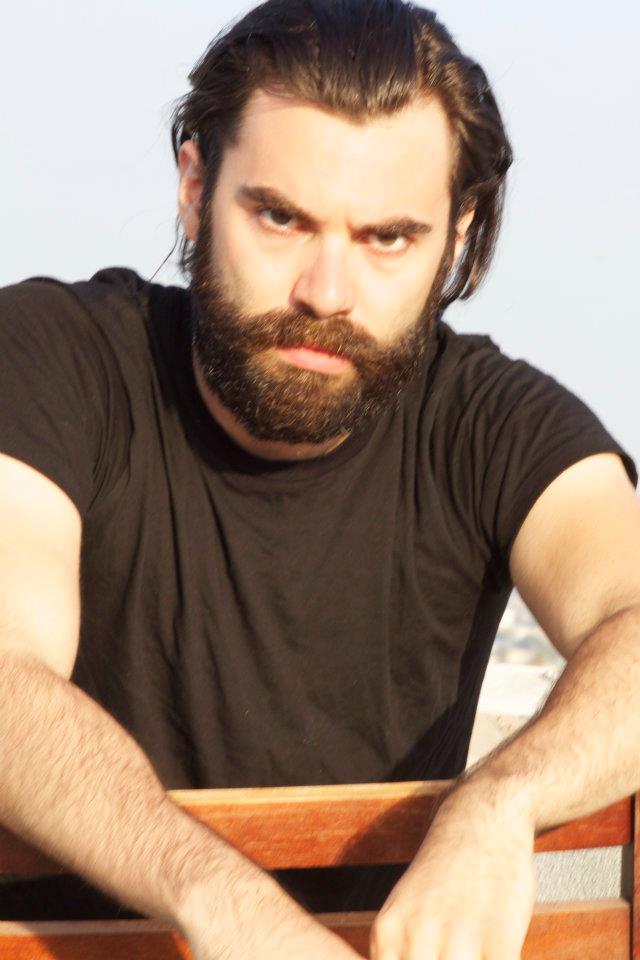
(308, 359)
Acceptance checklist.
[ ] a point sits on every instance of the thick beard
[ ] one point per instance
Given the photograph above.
(278, 402)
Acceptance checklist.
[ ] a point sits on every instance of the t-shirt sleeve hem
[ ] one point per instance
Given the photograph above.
(53, 470)
(548, 471)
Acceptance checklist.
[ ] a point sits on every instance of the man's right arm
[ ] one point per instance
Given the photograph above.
(75, 784)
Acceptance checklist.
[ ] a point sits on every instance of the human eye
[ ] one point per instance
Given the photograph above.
(389, 242)
(276, 218)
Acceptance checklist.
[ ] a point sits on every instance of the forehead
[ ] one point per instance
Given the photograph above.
(396, 164)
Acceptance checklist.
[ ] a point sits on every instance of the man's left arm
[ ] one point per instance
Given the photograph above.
(469, 892)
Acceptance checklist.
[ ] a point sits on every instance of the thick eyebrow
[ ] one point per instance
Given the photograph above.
(405, 226)
(268, 197)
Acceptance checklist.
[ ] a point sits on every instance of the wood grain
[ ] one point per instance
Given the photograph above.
(104, 940)
(568, 931)
(575, 930)
(280, 827)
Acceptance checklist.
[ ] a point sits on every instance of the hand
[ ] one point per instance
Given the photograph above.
(469, 892)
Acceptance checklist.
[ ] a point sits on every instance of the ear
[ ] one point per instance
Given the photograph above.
(191, 170)
(462, 227)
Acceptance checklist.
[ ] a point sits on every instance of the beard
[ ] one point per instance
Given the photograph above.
(276, 401)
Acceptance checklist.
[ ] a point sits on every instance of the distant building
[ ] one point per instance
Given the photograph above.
(521, 639)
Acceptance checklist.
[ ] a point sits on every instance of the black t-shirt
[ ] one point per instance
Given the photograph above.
(257, 623)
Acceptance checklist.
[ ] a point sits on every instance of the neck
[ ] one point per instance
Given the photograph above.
(266, 449)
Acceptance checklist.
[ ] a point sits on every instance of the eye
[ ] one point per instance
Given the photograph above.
(390, 242)
(275, 218)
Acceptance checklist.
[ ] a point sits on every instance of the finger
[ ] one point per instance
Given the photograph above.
(384, 941)
(415, 939)
(502, 948)
(462, 943)
(388, 952)
(422, 940)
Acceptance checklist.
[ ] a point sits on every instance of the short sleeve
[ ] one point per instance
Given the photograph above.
(57, 392)
(516, 430)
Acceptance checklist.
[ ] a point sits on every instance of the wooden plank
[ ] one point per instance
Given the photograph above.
(294, 826)
(580, 930)
(563, 931)
(322, 826)
(611, 827)
(360, 823)
(91, 940)
(575, 930)
(282, 827)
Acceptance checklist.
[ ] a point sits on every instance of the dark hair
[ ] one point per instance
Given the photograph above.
(361, 59)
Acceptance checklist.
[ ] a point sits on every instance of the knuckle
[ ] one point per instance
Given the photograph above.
(384, 932)
(504, 948)
(463, 942)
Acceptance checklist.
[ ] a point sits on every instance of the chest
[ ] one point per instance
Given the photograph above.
(252, 605)
(360, 560)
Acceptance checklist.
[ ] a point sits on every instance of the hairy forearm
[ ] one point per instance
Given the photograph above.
(581, 752)
(76, 785)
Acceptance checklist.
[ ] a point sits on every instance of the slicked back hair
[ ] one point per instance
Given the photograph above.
(362, 59)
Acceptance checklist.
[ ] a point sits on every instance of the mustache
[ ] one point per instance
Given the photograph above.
(296, 328)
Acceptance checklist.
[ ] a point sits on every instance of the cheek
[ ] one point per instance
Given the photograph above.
(395, 302)
(254, 281)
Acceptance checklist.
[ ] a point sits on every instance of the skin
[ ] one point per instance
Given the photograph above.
(339, 258)
(469, 892)
(575, 560)
(74, 783)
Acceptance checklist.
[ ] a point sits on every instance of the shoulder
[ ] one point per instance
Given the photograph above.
(68, 371)
(44, 290)
(65, 309)
(491, 393)
(473, 369)
(104, 320)
(499, 431)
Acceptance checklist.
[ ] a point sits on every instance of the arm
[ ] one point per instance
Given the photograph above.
(75, 784)
(575, 562)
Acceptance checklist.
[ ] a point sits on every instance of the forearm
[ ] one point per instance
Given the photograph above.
(76, 785)
(581, 752)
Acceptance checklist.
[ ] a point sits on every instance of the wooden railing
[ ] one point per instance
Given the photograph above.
(286, 827)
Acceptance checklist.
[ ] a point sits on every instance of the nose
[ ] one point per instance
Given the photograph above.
(324, 286)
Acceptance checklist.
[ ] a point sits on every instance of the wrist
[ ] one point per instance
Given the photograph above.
(217, 891)
(209, 879)
(245, 912)
(493, 798)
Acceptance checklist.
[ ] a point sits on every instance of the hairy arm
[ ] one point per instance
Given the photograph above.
(470, 890)
(75, 784)
(576, 563)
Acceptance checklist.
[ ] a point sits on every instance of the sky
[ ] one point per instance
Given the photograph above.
(88, 180)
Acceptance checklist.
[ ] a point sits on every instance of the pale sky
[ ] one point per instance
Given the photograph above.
(88, 178)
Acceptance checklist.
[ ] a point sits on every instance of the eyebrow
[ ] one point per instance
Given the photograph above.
(268, 197)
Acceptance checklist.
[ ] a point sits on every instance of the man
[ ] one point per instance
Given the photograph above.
(264, 533)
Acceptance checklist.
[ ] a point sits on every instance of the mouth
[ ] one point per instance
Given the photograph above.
(307, 359)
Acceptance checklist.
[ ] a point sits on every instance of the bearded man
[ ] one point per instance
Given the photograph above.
(262, 531)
